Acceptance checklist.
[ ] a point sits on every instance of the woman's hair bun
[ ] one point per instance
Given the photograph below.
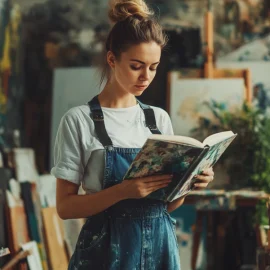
(122, 9)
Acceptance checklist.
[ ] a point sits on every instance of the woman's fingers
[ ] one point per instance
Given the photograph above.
(154, 188)
(200, 185)
(208, 171)
(205, 178)
(157, 183)
(155, 178)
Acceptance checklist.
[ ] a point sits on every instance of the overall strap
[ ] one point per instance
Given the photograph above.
(98, 118)
(150, 119)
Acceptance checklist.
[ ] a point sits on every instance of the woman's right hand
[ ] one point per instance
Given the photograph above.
(141, 187)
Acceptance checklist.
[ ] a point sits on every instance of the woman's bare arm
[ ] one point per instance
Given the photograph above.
(70, 205)
(175, 204)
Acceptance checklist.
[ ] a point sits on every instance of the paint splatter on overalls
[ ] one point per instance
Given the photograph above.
(134, 234)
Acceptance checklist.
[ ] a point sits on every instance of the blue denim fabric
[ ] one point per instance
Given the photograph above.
(130, 235)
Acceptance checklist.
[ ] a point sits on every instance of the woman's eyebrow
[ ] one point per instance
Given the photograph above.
(141, 62)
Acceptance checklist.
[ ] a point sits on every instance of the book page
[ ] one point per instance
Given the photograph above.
(209, 160)
(214, 154)
(217, 137)
(176, 139)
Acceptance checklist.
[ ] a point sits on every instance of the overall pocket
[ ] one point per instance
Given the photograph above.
(93, 247)
(91, 239)
(92, 233)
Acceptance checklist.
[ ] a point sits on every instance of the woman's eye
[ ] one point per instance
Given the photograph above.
(135, 68)
(154, 68)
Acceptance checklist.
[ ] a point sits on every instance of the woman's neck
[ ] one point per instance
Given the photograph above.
(112, 97)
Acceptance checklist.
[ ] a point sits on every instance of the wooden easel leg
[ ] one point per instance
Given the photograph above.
(196, 238)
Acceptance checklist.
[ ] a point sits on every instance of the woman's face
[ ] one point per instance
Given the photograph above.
(136, 68)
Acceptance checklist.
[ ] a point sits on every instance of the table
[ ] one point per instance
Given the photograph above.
(220, 208)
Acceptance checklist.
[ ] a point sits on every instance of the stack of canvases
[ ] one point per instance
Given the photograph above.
(28, 218)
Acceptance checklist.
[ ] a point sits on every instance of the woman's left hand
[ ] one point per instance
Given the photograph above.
(204, 179)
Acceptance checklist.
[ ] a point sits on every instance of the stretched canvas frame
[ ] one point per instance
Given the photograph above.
(260, 80)
(185, 98)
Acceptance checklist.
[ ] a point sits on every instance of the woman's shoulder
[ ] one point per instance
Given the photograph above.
(81, 112)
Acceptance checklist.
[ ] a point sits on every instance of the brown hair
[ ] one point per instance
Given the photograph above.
(134, 23)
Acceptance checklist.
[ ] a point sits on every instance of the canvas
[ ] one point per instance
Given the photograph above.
(25, 165)
(260, 81)
(236, 23)
(187, 96)
(71, 87)
(54, 234)
(17, 222)
(257, 50)
(34, 261)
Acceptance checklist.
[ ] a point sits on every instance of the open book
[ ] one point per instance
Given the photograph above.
(181, 156)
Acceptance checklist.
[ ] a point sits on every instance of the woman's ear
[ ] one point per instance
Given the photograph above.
(111, 59)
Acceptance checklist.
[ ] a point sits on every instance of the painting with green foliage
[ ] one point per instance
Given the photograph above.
(157, 158)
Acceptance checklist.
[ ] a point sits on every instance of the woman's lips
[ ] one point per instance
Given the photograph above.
(141, 87)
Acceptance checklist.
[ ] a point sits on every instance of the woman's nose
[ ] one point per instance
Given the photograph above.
(145, 75)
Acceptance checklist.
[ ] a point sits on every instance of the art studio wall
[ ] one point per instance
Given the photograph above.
(38, 36)
(47, 48)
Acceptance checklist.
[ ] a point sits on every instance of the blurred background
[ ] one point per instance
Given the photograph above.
(214, 75)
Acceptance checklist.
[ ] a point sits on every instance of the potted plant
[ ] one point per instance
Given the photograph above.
(247, 160)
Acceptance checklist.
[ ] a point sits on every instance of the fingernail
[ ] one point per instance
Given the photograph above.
(196, 176)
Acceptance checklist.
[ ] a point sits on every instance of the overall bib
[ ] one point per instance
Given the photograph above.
(134, 234)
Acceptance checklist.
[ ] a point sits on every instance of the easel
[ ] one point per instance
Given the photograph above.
(263, 251)
(19, 256)
(209, 70)
(218, 222)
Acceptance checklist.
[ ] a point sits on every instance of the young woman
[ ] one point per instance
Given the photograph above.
(97, 142)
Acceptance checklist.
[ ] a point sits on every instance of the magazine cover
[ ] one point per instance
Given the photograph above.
(158, 157)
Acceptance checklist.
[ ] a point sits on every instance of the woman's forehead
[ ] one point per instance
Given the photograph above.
(144, 52)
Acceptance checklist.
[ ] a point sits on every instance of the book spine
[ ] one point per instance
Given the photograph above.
(193, 166)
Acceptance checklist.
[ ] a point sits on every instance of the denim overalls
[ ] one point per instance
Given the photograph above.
(134, 234)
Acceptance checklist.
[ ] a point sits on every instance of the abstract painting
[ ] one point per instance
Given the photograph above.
(260, 81)
(236, 23)
(187, 98)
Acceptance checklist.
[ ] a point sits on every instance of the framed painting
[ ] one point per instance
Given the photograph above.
(186, 98)
(260, 81)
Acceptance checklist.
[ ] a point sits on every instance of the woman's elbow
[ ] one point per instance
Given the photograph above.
(61, 211)
(64, 190)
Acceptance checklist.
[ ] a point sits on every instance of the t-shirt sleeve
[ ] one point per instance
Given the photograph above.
(67, 150)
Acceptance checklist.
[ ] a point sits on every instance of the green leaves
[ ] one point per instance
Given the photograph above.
(247, 160)
(250, 151)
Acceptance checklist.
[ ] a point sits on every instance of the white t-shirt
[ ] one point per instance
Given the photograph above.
(76, 140)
